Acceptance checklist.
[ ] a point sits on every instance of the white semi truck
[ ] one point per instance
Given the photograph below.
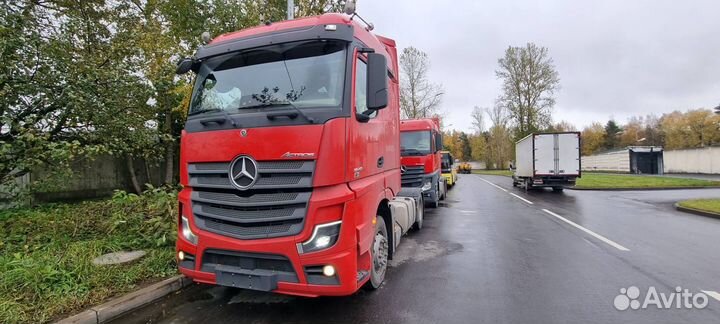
(547, 160)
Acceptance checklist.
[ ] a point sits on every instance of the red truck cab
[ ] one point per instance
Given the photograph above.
(290, 159)
(420, 146)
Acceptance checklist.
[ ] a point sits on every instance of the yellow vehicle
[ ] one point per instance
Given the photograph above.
(446, 166)
(464, 168)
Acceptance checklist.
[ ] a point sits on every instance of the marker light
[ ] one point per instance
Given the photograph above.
(329, 270)
(331, 27)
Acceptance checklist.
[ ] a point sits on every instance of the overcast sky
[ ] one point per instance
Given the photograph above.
(615, 58)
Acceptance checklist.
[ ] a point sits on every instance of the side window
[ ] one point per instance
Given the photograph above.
(361, 88)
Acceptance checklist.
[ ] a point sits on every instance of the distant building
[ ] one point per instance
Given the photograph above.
(633, 159)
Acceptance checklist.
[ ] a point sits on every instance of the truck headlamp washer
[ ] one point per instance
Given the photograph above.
(243, 172)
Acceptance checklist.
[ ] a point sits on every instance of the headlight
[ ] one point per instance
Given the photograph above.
(427, 185)
(324, 236)
(187, 232)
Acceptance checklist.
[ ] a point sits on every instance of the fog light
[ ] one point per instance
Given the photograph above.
(181, 255)
(329, 270)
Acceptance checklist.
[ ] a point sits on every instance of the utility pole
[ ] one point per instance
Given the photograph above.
(290, 9)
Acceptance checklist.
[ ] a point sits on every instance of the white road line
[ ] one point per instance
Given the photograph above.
(494, 185)
(597, 236)
(521, 198)
(713, 294)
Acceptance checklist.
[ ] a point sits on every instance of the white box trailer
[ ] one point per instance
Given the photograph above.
(547, 160)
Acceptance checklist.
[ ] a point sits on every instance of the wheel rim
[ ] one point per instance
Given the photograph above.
(380, 254)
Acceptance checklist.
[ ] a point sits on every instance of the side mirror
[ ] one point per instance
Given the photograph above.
(184, 66)
(377, 82)
(438, 142)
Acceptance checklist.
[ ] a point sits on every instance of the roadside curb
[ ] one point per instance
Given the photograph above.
(129, 302)
(696, 211)
(641, 189)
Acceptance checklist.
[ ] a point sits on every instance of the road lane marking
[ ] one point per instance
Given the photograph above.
(521, 198)
(596, 235)
(494, 185)
(713, 294)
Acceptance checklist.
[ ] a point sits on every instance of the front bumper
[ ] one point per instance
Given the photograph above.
(274, 264)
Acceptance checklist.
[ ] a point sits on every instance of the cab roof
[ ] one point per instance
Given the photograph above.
(380, 44)
(407, 125)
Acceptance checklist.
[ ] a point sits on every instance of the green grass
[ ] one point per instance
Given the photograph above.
(506, 173)
(709, 205)
(46, 253)
(623, 181)
(628, 181)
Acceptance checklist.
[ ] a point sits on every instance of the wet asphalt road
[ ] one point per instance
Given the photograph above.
(489, 256)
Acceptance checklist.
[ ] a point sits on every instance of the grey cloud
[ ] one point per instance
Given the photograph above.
(615, 58)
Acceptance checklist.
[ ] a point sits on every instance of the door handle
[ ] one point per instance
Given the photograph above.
(380, 162)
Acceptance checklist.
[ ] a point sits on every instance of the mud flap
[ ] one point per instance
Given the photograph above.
(261, 280)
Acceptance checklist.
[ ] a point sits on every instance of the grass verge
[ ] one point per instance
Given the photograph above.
(506, 173)
(629, 181)
(623, 181)
(46, 253)
(707, 205)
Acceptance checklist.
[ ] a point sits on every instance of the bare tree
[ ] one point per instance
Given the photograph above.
(529, 83)
(419, 98)
(499, 142)
(478, 120)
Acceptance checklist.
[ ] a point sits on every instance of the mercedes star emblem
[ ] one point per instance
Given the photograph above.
(402, 169)
(243, 172)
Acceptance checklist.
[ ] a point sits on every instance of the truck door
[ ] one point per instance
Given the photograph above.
(368, 145)
(568, 154)
(544, 154)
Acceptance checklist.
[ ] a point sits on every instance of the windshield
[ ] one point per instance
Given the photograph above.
(415, 143)
(307, 74)
(445, 161)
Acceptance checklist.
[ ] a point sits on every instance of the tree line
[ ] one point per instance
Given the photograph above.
(86, 77)
(525, 105)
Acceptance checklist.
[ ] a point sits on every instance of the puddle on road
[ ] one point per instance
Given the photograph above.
(410, 250)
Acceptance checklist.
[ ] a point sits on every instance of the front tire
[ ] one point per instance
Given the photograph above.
(379, 251)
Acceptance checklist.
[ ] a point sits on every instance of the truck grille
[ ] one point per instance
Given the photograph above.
(274, 206)
(413, 176)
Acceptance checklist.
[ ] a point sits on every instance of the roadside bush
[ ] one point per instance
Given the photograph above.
(46, 252)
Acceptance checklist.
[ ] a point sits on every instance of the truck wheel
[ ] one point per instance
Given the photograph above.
(558, 189)
(379, 252)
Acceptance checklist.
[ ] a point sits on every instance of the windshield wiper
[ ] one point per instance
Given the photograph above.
(273, 115)
(225, 117)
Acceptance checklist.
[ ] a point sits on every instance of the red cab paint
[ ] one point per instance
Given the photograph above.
(421, 142)
(256, 197)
